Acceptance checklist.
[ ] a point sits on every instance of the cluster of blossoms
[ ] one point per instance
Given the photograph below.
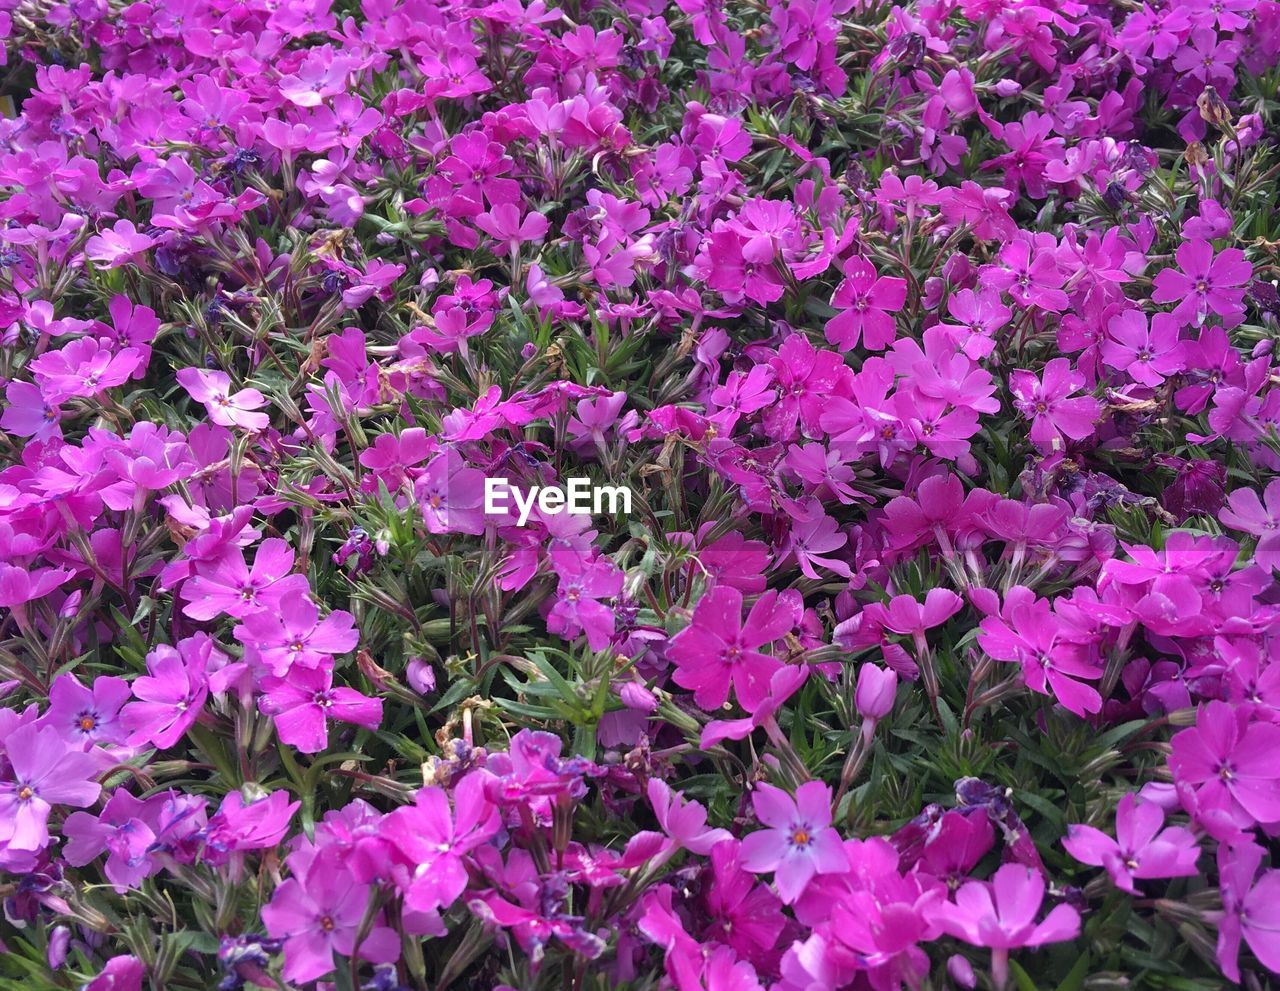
(934, 342)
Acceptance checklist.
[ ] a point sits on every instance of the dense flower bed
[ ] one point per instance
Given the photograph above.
(934, 343)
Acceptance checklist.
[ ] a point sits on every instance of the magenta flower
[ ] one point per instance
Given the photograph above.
(799, 842)
(868, 305)
(320, 913)
(46, 771)
(718, 649)
(302, 704)
(170, 696)
(1047, 402)
(294, 634)
(1228, 760)
(214, 390)
(434, 840)
(1141, 848)
(1204, 284)
(1002, 914)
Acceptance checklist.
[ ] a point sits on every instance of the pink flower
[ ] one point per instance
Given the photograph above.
(1140, 850)
(229, 586)
(1002, 915)
(875, 692)
(1229, 759)
(584, 581)
(1205, 284)
(685, 821)
(1028, 631)
(1259, 516)
(1048, 404)
(302, 704)
(84, 367)
(450, 495)
(799, 841)
(504, 223)
(868, 303)
(718, 649)
(1250, 909)
(123, 973)
(214, 390)
(434, 840)
(117, 246)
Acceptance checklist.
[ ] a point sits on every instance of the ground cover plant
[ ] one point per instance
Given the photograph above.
(934, 343)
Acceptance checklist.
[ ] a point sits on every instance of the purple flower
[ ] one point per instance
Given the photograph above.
(44, 771)
(1205, 284)
(799, 842)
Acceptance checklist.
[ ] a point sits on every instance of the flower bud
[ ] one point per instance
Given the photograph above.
(875, 692)
(56, 953)
(961, 971)
(421, 676)
(636, 696)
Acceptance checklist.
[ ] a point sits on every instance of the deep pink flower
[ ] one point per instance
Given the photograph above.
(434, 839)
(799, 841)
(868, 303)
(718, 649)
(1047, 402)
